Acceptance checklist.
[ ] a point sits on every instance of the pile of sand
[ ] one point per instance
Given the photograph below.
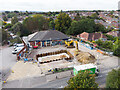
(85, 58)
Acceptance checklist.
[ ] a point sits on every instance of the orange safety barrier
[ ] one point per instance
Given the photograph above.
(100, 51)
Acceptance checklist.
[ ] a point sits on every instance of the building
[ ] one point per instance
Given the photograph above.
(86, 67)
(91, 36)
(114, 33)
(48, 38)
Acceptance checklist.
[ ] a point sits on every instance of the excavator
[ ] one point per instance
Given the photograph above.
(69, 44)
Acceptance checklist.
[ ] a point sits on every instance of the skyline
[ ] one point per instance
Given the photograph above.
(57, 5)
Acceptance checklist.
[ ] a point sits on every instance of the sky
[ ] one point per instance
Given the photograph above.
(57, 5)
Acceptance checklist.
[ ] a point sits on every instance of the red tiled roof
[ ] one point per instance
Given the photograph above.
(92, 36)
(114, 33)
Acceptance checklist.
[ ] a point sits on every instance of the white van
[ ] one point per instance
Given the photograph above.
(16, 50)
(19, 45)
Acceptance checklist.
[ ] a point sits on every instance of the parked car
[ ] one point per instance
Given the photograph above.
(18, 45)
(16, 50)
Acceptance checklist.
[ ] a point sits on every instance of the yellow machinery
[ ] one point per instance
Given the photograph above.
(76, 45)
(70, 44)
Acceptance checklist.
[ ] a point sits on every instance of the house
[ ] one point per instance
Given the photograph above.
(114, 33)
(48, 38)
(91, 36)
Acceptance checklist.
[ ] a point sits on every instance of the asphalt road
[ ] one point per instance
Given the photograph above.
(59, 83)
(7, 59)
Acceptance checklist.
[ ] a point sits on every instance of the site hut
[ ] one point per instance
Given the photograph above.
(86, 67)
(48, 38)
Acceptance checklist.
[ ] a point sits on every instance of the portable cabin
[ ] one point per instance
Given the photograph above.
(86, 67)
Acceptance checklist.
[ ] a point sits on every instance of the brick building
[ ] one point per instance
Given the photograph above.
(91, 36)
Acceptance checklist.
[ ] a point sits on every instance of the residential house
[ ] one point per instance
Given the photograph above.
(114, 33)
(91, 36)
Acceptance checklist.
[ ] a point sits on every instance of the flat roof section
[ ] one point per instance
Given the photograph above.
(84, 67)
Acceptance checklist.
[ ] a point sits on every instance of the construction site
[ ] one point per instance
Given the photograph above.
(45, 60)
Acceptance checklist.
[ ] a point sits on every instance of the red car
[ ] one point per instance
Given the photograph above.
(35, 47)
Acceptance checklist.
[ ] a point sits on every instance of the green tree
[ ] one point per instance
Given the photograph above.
(116, 47)
(4, 36)
(99, 42)
(74, 29)
(84, 25)
(52, 25)
(14, 20)
(17, 28)
(8, 26)
(108, 45)
(99, 28)
(35, 23)
(113, 79)
(63, 22)
(94, 16)
(5, 18)
(10, 15)
(77, 17)
(82, 80)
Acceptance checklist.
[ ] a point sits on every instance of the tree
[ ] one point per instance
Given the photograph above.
(116, 47)
(74, 29)
(17, 28)
(108, 45)
(99, 28)
(8, 26)
(52, 25)
(113, 79)
(77, 17)
(4, 37)
(10, 15)
(82, 80)
(99, 42)
(5, 18)
(14, 20)
(94, 16)
(111, 12)
(84, 25)
(63, 22)
(36, 23)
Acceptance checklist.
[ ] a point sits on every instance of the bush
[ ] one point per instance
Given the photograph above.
(113, 79)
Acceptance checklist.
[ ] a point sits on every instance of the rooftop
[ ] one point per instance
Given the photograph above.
(49, 35)
(84, 67)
